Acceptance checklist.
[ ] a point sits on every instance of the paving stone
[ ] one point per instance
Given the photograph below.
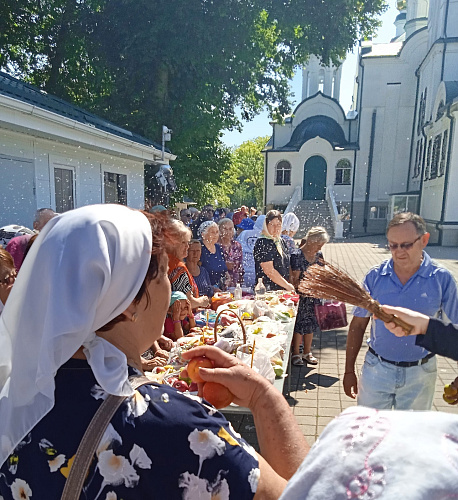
(308, 430)
(306, 419)
(329, 412)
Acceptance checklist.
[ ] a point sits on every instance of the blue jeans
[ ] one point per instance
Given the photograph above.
(385, 386)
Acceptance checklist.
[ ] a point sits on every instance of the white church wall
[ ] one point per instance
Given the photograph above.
(276, 194)
(437, 16)
(386, 92)
(430, 77)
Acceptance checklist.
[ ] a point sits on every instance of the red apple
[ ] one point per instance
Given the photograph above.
(171, 380)
(194, 365)
(218, 395)
(193, 387)
(160, 369)
(181, 385)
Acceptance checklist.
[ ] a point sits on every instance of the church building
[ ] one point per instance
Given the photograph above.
(396, 150)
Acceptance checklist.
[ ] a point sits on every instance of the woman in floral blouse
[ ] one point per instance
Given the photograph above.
(232, 251)
(96, 293)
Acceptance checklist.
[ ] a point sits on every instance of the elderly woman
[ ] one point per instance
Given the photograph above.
(290, 226)
(179, 275)
(212, 258)
(271, 256)
(232, 251)
(248, 239)
(199, 273)
(96, 292)
(306, 322)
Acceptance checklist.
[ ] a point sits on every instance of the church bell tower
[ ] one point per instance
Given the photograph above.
(318, 78)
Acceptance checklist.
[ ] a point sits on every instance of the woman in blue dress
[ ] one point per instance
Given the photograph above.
(96, 292)
(212, 258)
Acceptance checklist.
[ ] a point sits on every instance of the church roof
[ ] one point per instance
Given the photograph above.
(16, 89)
(321, 126)
(383, 49)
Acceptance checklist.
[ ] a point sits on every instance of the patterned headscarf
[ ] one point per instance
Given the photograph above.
(204, 226)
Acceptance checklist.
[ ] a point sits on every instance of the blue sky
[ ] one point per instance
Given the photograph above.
(260, 125)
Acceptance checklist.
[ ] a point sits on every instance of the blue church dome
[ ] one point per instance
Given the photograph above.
(321, 126)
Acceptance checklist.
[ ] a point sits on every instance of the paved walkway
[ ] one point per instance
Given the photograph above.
(316, 393)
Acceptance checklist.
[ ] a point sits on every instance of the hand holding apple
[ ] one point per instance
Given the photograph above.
(246, 385)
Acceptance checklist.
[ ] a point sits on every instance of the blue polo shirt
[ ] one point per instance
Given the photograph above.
(431, 290)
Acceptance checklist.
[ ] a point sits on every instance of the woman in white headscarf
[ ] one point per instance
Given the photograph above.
(248, 240)
(289, 227)
(95, 292)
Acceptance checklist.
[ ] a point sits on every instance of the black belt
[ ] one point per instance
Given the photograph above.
(404, 364)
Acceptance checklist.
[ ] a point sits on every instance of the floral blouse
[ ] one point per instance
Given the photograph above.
(160, 444)
(233, 253)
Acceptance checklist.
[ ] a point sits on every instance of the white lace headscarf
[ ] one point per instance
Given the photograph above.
(84, 269)
(290, 222)
(370, 454)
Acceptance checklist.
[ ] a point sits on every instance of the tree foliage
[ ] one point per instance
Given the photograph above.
(246, 174)
(188, 65)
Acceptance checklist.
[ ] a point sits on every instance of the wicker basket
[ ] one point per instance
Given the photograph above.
(236, 316)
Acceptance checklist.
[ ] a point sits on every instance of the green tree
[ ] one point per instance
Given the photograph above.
(246, 174)
(188, 65)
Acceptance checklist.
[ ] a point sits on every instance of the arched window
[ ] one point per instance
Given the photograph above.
(343, 171)
(283, 173)
(308, 84)
(321, 80)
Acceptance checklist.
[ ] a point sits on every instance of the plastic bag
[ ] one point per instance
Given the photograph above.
(261, 361)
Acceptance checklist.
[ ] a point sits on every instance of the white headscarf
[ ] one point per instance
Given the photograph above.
(84, 269)
(290, 222)
(366, 453)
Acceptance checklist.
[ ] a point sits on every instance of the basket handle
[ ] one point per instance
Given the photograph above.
(237, 317)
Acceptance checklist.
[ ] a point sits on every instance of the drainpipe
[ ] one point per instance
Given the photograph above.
(447, 172)
(359, 106)
(413, 132)
(369, 170)
(445, 40)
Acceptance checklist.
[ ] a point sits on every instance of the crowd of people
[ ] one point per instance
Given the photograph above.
(108, 289)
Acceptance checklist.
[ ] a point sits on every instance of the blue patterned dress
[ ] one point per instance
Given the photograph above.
(160, 444)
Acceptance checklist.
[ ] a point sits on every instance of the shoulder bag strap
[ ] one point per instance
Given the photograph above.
(91, 439)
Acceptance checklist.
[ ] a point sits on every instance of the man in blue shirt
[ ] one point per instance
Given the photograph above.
(397, 373)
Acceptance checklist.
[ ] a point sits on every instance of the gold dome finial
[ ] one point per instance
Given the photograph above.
(401, 5)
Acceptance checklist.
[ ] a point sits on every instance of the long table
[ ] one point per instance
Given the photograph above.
(279, 382)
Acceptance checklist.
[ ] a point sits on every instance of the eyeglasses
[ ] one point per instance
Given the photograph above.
(403, 246)
(9, 279)
(186, 215)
